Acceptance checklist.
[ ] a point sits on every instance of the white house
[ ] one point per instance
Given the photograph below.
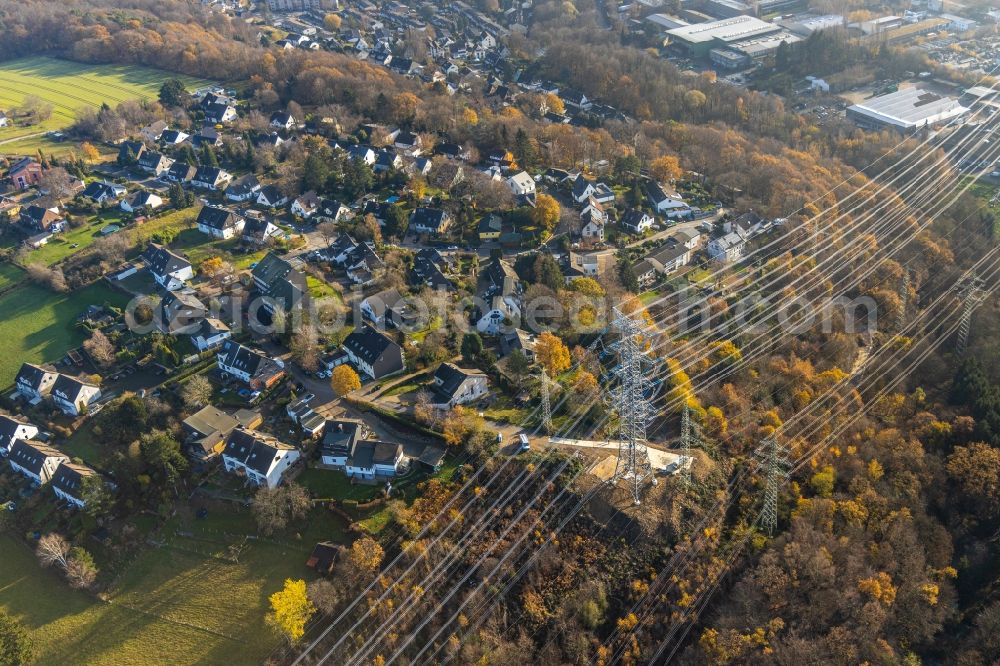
(35, 460)
(211, 178)
(503, 313)
(73, 396)
(282, 120)
(373, 353)
(262, 459)
(169, 270)
(667, 202)
(34, 382)
(271, 197)
(454, 386)
(219, 222)
(521, 184)
(211, 334)
(141, 201)
(372, 459)
(67, 482)
(339, 439)
(636, 221)
(305, 206)
(727, 248)
(12, 430)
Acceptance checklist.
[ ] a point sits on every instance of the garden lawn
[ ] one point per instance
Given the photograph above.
(334, 484)
(39, 326)
(10, 275)
(71, 86)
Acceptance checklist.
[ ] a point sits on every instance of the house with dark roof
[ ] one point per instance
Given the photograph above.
(129, 152)
(249, 366)
(636, 221)
(181, 313)
(373, 459)
(339, 438)
(243, 188)
(362, 262)
(39, 218)
(35, 460)
(73, 396)
(387, 160)
(170, 270)
(211, 178)
(141, 201)
(154, 162)
(271, 197)
(282, 120)
(67, 483)
(666, 201)
(258, 230)
(220, 113)
(172, 137)
(11, 430)
(180, 172)
(284, 285)
(324, 557)
(262, 459)
(388, 309)
(205, 432)
(219, 222)
(305, 205)
(373, 353)
(453, 385)
(429, 221)
(211, 333)
(429, 268)
(34, 382)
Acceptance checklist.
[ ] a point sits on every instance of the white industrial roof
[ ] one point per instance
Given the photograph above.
(910, 108)
(727, 30)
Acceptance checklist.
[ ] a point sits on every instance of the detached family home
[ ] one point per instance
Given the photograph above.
(373, 353)
(73, 396)
(372, 459)
(35, 382)
(259, 457)
(429, 221)
(169, 270)
(636, 221)
(244, 188)
(454, 386)
(206, 431)
(154, 162)
(12, 430)
(727, 248)
(35, 460)
(141, 201)
(219, 222)
(667, 202)
(211, 334)
(67, 483)
(103, 192)
(339, 438)
(211, 178)
(25, 173)
(249, 366)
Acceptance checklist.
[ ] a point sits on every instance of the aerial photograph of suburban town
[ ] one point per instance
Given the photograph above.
(499, 332)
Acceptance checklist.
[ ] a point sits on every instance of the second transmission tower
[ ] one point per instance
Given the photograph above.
(632, 403)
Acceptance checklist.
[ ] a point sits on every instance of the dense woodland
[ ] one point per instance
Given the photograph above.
(887, 547)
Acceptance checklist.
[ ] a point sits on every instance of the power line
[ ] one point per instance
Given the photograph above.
(773, 459)
(972, 295)
(633, 407)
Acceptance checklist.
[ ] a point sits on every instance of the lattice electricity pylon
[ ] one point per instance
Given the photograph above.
(772, 460)
(687, 437)
(972, 295)
(632, 404)
(546, 403)
(904, 298)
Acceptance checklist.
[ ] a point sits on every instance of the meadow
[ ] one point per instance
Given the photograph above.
(68, 87)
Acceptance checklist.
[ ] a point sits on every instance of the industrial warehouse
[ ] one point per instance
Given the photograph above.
(906, 110)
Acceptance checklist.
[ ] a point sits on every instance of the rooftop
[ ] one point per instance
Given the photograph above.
(727, 30)
(909, 108)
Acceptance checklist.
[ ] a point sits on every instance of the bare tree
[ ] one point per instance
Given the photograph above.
(325, 595)
(197, 391)
(328, 230)
(53, 549)
(100, 349)
(57, 182)
(49, 276)
(275, 507)
(305, 347)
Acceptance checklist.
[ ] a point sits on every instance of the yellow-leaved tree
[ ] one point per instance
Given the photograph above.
(552, 353)
(291, 609)
(344, 380)
(366, 554)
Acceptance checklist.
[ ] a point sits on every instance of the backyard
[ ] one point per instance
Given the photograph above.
(39, 325)
(68, 87)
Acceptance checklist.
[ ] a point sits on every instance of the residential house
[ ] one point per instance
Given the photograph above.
(282, 120)
(42, 219)
(271, 197)
(726, 248)
(305, 205)
(73, 396)
(181, 313)
(100, 192)
(454, 386)
(206, 136)
(362, 262)
(262, 459)
(323, 557)
(172, 137)
(409, 142)
(180, 172)
(220, 113)
(664, 260)
(211, 334)
(141, 201)
(211, 178)
(332, 210)
(35, 460)
(249, 366)
(275, 278)
(583, 189)
(452, 151)
(258, 230)
(67, 483)
(25, 173)
(219, 222)
(129, 152)
(34, 382)
(747, 225)
(388, 309)
(498, 289)
(154, 162)
(592, 221)
(339, 439)
(519, 340)
(170, 270)
(636, 221)
(490, 227)
(387, 160)
(152, 132)
(575, 98)
(429, 267)
(373, 353)
(666, 201)
(587, 264)
(205, 432)
(364, 153)
(374, 459)
(429, 221)
(522, 184)
(243, 188)
(12, 430)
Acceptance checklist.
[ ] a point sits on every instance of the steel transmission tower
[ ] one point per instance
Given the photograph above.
(633, 408)
(687, 436)
(772, 459)
(972, 295)
(546, 404)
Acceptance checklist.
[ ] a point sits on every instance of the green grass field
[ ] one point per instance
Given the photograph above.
(68, 87)
(183, 603)
(39, 325)
(10, 275)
